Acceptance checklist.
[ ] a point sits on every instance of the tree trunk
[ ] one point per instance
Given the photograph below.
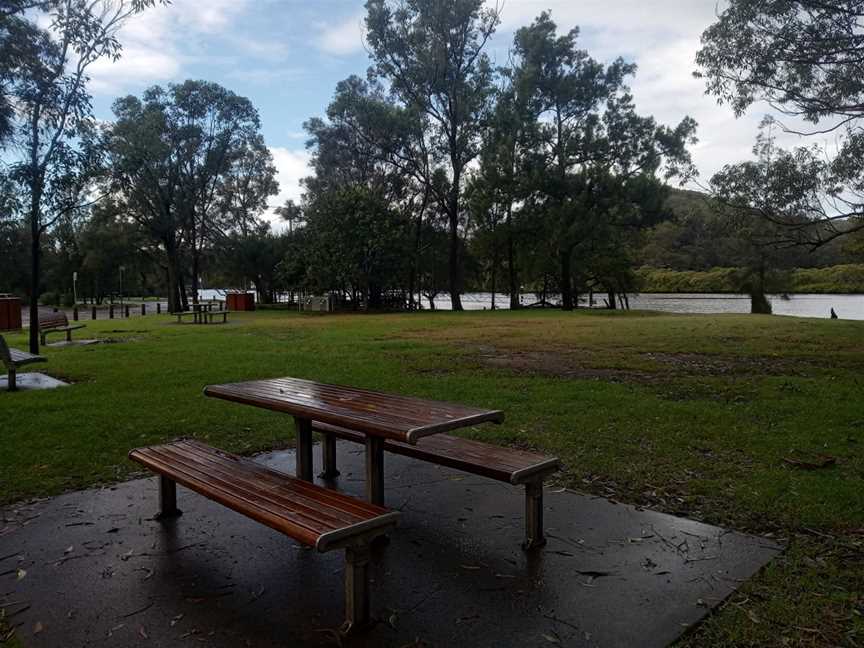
(566, 281)
(35, 270)
(174, 305)
(195, 270)
(511, 265)
(453, 216)
(611, 304)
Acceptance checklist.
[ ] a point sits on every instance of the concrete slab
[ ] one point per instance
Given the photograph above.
(91, 568)
(31, 381)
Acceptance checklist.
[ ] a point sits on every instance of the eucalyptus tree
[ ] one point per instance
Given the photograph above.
(52, 150)
(803, 57)
(190, 164)
(592, 152)
(431, 53)
(367, 148)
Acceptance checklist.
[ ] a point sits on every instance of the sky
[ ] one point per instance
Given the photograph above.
(286, 56)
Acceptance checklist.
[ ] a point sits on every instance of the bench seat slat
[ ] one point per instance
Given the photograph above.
(290, 509)
(504, 464)
(271, 476)
(277, 500)
(278, 492)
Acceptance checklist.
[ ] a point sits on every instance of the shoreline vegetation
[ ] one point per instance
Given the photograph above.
(844, 279)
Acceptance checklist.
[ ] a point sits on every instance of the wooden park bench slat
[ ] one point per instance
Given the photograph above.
(315, 516)
(56, 323)
(401, 418)
(518, 467)
(13, 359)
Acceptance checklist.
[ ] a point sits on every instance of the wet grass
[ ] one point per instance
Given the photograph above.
(693, 415)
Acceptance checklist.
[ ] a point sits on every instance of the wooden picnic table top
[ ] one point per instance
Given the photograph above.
(402, 418)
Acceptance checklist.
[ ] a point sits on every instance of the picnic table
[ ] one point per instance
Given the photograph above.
(378, 416)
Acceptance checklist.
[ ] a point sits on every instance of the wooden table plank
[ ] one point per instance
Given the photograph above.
(402, 418)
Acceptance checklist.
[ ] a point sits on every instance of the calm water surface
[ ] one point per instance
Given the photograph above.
(846, 306)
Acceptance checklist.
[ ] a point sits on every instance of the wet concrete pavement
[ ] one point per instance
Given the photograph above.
(92, 569)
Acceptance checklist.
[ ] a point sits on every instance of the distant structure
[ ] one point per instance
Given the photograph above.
(833, 314)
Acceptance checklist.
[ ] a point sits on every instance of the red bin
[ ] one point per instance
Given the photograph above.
(10, 313)
(240, 301)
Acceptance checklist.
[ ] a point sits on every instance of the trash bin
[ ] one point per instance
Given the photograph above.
(10, 313)
(240, 301)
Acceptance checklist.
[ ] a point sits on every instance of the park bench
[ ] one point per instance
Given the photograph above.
(517, 467)
(13, 358)
(210, 316)
(193, 314)
(56, 323)
(318, 517)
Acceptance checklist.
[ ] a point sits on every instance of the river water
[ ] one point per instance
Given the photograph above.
(846, 306)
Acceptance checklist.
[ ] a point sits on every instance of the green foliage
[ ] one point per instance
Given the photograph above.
(803, 57)
(841, 279)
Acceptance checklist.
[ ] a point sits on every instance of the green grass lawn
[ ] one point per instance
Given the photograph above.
(693, 415)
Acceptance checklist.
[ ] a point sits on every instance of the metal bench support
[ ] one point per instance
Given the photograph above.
(328, 456)
(356, 588)
(304, 448)
(375, 470)
(534, 536)
(12, 382)
(167, 499)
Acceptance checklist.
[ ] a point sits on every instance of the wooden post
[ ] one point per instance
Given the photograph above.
(127, 311)
(356, 588)
(93, 313)
(534, 536)
(158, 308)
(143, 309)
(304, 448)
(167, 499)
(12, 382)
(328, 456)
(110, 311)
(375, 470)
(74, 313)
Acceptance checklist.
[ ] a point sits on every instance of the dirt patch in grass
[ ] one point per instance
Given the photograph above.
(639, 367)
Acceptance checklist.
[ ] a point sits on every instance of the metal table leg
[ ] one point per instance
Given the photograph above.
(304, 448)
(375, 470)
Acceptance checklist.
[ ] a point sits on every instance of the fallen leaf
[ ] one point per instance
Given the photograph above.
(38, 628)
(143, 632)
(551, 639)
(21, 574)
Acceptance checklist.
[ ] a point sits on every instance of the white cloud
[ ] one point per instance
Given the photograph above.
(343, 38)
(160, 41)
(292, 165)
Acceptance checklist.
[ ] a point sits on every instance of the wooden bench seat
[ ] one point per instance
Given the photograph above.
(181, 314)
(318, 517)
(13, 359)
(210, 316)
(509, 465)
(56, 323)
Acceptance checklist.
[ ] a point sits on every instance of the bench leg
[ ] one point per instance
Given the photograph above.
(356, 588)
(42, 339)
(167, 499)
(13, 381)
(375, 470)
(68, 336)
(534, 536)
(304, 448)
(328, 456)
